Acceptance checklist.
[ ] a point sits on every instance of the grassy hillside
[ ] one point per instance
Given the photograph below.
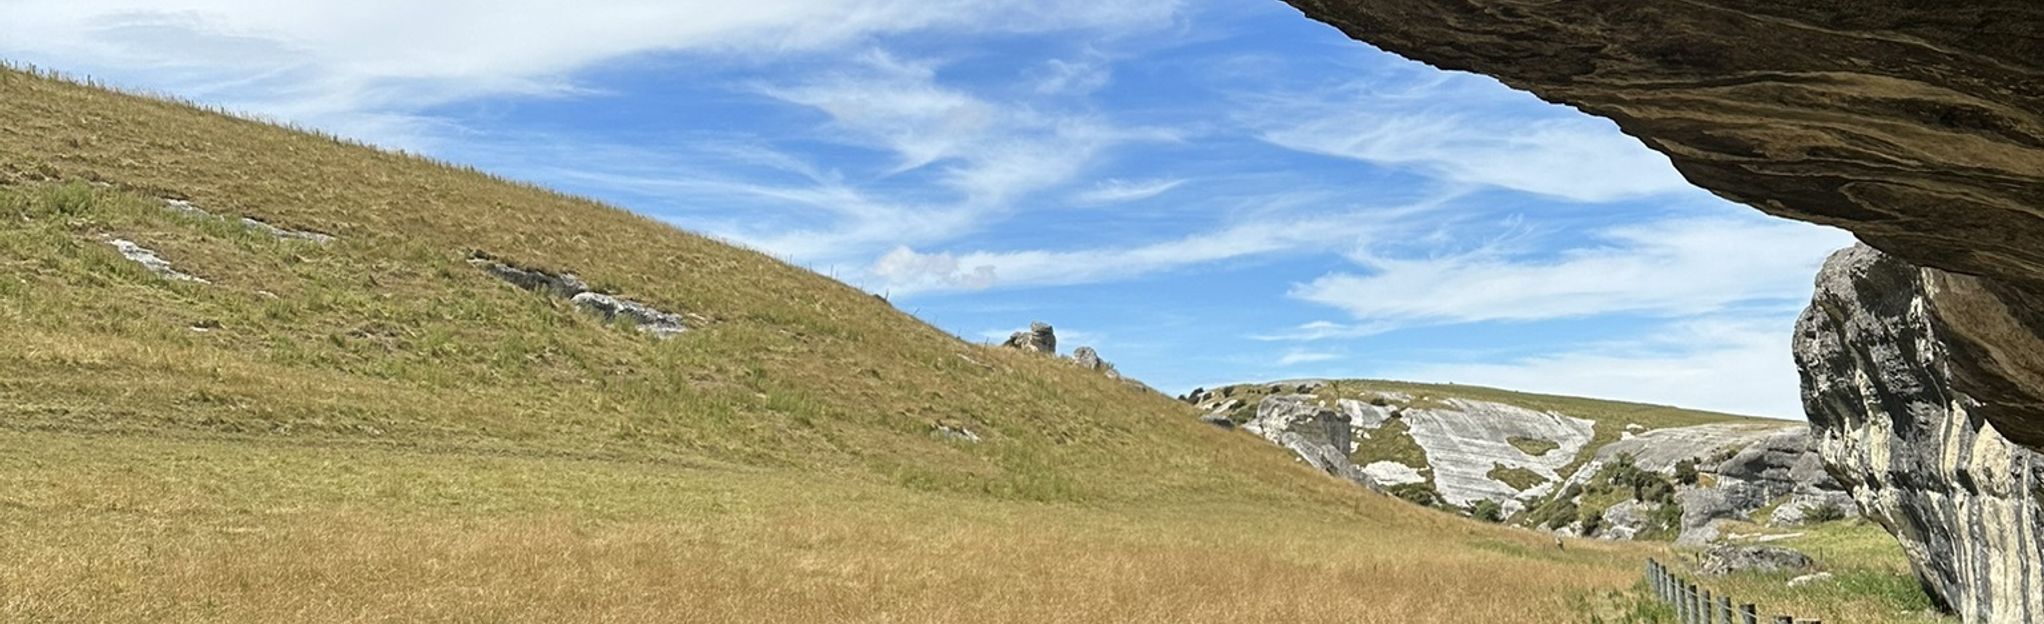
(375, 430)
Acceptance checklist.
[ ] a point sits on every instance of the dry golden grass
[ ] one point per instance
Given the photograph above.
(96, 528)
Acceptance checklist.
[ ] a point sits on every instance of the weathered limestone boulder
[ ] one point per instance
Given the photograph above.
(654, 321)
(1726, 559)
(1786, 464)
(1625, 520)
(645, 317)
(1039, 338)
(1878, 385)
(1090, 360)
(1919, 126)
(150, 260)
(1318, 435)
(1703, 507)
(562, 285)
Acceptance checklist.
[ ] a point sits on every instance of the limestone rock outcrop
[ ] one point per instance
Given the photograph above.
(1911, 447)
(1318, 435)
(149, 259)
(1090, 360)
(648, 319)
(1039, 338)
(1463, 452)
(1918, 126)
(1727, 559)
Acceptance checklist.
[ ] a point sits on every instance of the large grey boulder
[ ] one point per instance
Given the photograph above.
(1625, 520)
(1727, 559)
(1703, 507)
(1039, 338)
(1967, 504)
(1090, 360)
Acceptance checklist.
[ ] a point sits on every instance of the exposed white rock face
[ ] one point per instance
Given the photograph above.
(1391, 473)
(1967, 504)
(1363, 415)
(1660, 449)
(1318, 435)
(1464, 440)
(149, 260)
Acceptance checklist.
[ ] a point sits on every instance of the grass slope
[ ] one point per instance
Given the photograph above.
(373, 430)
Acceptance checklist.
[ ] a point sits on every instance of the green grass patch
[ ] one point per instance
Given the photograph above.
(1532, 446)
(1519, 478)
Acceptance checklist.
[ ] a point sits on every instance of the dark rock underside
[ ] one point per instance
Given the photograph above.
(1916, 125)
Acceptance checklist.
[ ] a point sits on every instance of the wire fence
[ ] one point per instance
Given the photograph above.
(1694, 604)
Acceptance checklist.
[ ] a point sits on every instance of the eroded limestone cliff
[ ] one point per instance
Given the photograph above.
(1964, 501)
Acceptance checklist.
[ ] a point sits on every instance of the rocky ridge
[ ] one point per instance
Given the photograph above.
(1535, 467)
(1042, 338)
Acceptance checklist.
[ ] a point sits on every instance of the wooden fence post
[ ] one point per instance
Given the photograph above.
(1703, 605)
(1695, 591)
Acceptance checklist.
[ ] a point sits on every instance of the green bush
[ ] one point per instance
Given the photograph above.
(1563, 513)
(1685, 471)
(1416, 493)
(1487, 511)
(1592, 518)
(1823, 513)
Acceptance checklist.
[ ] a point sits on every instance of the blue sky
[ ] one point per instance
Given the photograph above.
(1204, 191)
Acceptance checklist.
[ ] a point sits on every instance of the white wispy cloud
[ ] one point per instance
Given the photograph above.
(1118, 190)
(1737, 365)
(1072, 77)
(907, 271)
(1467, 130)
(1302, 356)
(1672, 267)
(1327, 330)
(380, 62)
